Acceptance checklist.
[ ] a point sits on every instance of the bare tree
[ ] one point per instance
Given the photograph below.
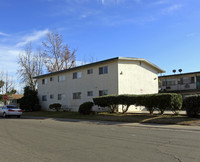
(57, 55)
(30, 65)
(7, 83)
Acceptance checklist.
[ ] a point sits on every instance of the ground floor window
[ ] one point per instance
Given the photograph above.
(61, 96)
(44, 98)
(77, 95)
(103, 92)
(90, 93)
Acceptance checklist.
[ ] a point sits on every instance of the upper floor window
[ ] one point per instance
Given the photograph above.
(103, 92)
(90, 71)
(90, 93)
(186, 80)
(44, 98)
(77, 75)
(103, 70)
(61, 78)
(77, 95)
(61, 96)
(169, 82)
(44, 81)
(51, 79)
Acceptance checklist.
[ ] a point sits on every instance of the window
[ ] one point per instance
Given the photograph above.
(169, 82)
(61, 78)
(44, 81)
(51, 96)
(90, 71)
(61, 96)
(77, 95)
(77, 75)
(51, 79)
(103, 70)
(90, 93)
(187, 80)
(103, 92)
(44, 98)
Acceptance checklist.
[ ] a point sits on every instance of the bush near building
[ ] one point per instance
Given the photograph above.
(151, 102)
(30, 101)
(86, 108)
(192, 105)
(55, 106)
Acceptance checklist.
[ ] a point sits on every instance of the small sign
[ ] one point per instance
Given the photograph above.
(5, 97)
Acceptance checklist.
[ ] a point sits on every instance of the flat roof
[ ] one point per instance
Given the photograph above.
(103, 61)
(182, 74)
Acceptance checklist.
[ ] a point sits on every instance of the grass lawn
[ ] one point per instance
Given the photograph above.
(129, 117)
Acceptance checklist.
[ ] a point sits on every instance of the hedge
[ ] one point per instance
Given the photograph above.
(192, 105)
(151, 102)
(86, 108)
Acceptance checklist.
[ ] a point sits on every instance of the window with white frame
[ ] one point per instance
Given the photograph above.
(103, 70)
(61, 96)
(61, 78)
(90, 93)
(77, 75)
(90, 71)
(77, 95)
(103, 92)
(44, 98)
(44, 81)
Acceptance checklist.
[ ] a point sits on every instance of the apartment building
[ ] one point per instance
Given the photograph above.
(185, 84)
(120, 75)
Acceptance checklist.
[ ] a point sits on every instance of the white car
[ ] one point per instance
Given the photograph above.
(10, 110)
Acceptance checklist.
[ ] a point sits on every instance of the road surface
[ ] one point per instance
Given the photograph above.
(46, 140)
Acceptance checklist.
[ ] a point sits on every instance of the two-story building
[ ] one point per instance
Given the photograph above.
(185, 84)
(120, 75)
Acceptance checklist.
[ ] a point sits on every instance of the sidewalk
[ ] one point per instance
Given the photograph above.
(127, 124)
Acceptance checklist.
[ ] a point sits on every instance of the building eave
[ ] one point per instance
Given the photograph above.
(159, 70)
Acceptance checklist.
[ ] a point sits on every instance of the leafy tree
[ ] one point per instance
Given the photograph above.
(30, 100)
(56, 54)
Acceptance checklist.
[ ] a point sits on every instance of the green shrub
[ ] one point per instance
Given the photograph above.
(151, 102)
(192, 105)
(55, 106)
(30, 100)
(86, 108)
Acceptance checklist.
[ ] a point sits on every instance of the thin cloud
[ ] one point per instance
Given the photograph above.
(192, 34)
(37, 35)
(4, 34)
(172, 9)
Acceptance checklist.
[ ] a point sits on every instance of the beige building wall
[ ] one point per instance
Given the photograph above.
(136, 77)
(125, 76)
(88, 82)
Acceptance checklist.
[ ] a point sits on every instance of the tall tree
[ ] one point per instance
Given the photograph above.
(30, 65)
(6, 83)
(57, 55)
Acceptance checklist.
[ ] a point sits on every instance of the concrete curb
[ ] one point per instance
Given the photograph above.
(141, 125)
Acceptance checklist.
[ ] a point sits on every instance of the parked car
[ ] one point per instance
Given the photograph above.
(10, 110)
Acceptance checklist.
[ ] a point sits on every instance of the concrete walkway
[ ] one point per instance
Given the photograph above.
(127, 124)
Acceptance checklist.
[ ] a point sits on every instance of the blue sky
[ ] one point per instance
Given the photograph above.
(165, 32)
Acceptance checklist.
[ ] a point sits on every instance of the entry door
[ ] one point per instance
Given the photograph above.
(198, 82)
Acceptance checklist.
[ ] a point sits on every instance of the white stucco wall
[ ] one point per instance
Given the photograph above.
(88, 82)
(123, 77)
(137, 77)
